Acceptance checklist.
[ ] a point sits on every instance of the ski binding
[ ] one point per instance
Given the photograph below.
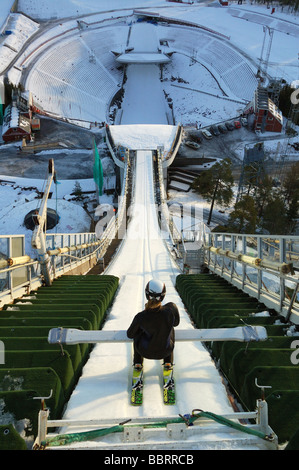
(168, 386)
(137, 387)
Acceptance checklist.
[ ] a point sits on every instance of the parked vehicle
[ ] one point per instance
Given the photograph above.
(196, 138)
(214, 130)
(237, 124)
(229, 126)
(191, 144)
(222, 129)
(207, 134)
(244, 121)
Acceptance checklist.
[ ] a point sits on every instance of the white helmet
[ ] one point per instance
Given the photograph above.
(155, 289)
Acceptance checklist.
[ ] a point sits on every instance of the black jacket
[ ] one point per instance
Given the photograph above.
(153, 332)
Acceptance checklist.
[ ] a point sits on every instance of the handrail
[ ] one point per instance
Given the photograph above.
(284, 268)
(18, 261)
(264, 266)
(175, 235)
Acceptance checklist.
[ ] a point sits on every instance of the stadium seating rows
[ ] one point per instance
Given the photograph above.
(231, 66)
(64, 81)
(33, 367)
(213, 303)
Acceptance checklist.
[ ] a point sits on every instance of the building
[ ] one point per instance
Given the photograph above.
(16, 126)
(268, 118)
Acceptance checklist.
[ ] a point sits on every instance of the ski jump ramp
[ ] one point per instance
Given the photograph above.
(103, 391)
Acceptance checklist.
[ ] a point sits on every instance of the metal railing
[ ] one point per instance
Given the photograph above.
(69, 251)
(18, 273)
(174, 233)
(264, 266)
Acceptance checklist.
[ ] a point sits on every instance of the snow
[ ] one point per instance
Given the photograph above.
(142, 256)
(103, 388)
(196, 51)
(146, 137)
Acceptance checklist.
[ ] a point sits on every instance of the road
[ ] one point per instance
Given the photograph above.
(14, 162)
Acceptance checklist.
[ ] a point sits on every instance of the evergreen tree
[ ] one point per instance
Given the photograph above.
(215, 185)
(243, 219)
(264, 193)
(275, 219)
(77, 191)
(290, 185)
(290, 191)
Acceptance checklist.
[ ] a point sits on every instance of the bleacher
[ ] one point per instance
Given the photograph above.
(243, 89)
(33, 367)
(70, 79)
(102, 48)
(214, 303)
(229, 65)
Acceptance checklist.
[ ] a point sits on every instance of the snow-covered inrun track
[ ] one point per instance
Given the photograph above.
(103, 391)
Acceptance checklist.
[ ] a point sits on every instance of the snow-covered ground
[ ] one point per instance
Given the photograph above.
(186, 79)
(143, 254)
(103, 391)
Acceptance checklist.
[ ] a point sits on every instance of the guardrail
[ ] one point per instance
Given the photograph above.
(18, 273)
(264, 266)
(174, 234)
(69, 251)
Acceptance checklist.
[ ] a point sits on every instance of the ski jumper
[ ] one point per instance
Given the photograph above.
(153, 333)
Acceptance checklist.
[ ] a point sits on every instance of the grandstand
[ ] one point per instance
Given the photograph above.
(70, 78)
(228, 65)
(73, 74)
(76, 77)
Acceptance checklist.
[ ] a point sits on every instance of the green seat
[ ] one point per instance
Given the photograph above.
(282, 397)
(24, 331)
(69, 322)
(79, 307)
(41, 344)
(229, 349)
(61, 363)
(23, 407)
(238, 312)
(207, 311)
(40, 314)
(62, 299)
(32, 366)
(43, 380)
(195, 299)
(293, 443)
(237, 319)
(38, 331)
(266, 322)
(275, 376)
(283, 413)
(10, 439)
(245, 360)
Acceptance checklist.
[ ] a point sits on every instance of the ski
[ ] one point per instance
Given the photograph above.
(137, 387)
(168, 386)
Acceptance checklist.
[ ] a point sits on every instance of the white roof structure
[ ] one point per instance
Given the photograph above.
(144, 47)
(144, 137)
